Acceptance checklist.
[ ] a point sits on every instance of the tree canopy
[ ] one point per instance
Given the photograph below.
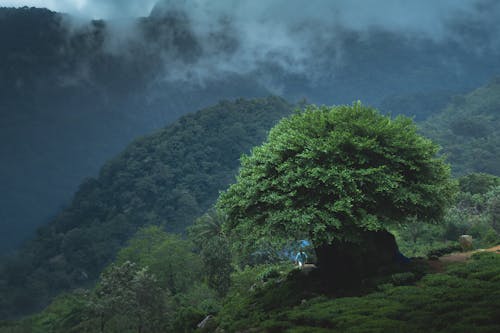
(327, 173)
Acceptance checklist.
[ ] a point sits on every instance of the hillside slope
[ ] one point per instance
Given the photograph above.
(464, 298)
(168, 178)
(469, 130)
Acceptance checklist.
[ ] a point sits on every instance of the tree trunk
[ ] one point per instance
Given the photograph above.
(348, 263)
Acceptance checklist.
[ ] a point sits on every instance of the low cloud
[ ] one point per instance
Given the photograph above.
(301, 38)
(292, 37)
(95, 9)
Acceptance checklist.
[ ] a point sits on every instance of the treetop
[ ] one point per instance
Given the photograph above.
(327, 172)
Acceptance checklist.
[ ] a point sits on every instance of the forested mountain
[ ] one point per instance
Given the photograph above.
(169, 179)
(173, 176)
(469, 130)
(139, 245)
(73, 93)
(156, 282)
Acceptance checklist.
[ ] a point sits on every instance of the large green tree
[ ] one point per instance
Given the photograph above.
(337, 175)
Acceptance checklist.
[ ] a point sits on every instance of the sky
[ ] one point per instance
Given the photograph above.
(428, 18)
(421, 14)
(294, 30)
(291, 33)
(97, 9)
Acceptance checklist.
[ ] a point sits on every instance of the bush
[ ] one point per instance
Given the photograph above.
(491, 237)
(187, 319)
(405, 278)
(269, 273)
(441, 251)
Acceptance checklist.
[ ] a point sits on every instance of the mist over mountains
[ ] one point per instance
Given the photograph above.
(74, 92)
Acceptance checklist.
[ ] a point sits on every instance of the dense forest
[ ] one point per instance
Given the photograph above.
(468, 129)
(379, 159)
(158, 280)
(169, 179)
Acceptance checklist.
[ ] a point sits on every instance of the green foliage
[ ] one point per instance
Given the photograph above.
(201, 297)
(214, 249)
(216, 257)
(468, 129)
(248, 285)
(244, 279)
(168, 256)
(494, 213)
(440, 251)
(179, 271)
(478, 183)
(130, 297)
(405, 278)
(474, 213)
(269, 274)
(127, 299)
(417, 239)
(326, 173)
(155, 285)
(66, 313)
(186, 320)
(207, 227)
(463, 299)
(169, 178)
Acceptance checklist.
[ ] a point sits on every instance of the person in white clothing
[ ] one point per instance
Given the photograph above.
(301, 258)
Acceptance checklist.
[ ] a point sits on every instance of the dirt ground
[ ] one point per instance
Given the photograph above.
(438, 265)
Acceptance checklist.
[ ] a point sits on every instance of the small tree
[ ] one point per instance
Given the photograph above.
(169, 257)
(132, 296)
(338, 176)
(214, 249)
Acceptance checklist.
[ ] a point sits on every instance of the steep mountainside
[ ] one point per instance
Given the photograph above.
(72, 94)
(68, 103)
(469, 130)
(168, 179)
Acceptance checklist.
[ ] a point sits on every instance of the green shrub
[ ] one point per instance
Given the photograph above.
(491, 237)
(186, 320)
(269, 273)
(400, 279)
(441, 251)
